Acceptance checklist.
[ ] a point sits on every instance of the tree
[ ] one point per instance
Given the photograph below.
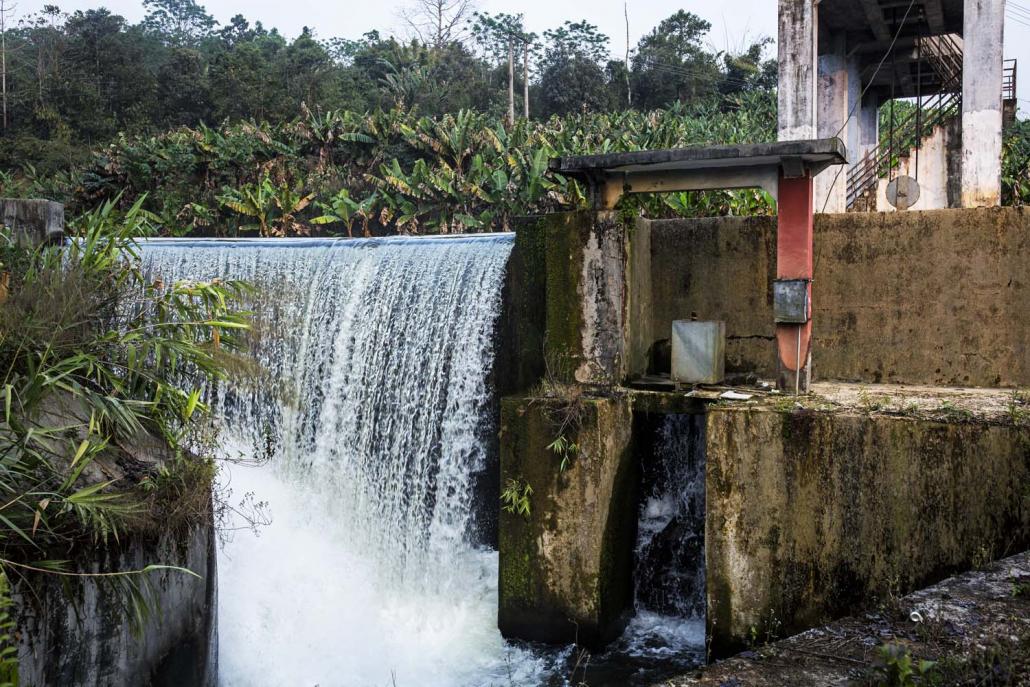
(183, 89)
(747, 71)
(500, 37)
(5, 9)
(438, 22)
(572, 77)
(181, 22)
(671, 65)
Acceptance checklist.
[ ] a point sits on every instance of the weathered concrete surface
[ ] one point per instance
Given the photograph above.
(797, 51)
(574, 281)
(811, 515)
(522, 324)
(937, 297)
(33, 221)
(82, 636)
(982, 55)
(566, 567)
(833, 119)
(939, 163)
(976, 627)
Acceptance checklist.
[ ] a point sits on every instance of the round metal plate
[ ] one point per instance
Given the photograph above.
(903, 192)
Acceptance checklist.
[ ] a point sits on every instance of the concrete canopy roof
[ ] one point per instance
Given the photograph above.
(698, 168)
(869, 27)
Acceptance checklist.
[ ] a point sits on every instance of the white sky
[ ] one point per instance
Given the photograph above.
(735, 23)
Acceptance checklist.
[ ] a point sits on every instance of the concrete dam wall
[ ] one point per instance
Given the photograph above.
(813, 506)
(939, 297)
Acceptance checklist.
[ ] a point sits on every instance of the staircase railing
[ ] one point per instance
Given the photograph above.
(944, 56)
(1008, 80)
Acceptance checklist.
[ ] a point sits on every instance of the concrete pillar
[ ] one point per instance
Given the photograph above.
(794, 250)
(566, 558)
(983, 38)
(869, 128)
(797, 50)
(587, 295)
(33, 221)
(834, 100)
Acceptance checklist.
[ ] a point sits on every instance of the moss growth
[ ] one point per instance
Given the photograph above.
(564, 240)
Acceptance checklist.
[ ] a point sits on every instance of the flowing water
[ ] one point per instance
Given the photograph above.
(374, 415)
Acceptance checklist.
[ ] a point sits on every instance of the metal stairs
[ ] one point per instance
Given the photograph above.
(944, 55)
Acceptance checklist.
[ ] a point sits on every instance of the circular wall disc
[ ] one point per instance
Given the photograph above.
(903, 192)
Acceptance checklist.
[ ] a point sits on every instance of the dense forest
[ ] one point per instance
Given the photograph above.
(227, 128)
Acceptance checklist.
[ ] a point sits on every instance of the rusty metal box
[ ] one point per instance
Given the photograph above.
(790, 301)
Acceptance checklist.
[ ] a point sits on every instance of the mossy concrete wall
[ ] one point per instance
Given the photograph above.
(33, 221)
(78, 632)
(812, 515)
(566, 566)
(940, 297)
(577, 283)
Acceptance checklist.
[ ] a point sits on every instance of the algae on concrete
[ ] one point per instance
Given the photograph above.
(566, 568)
(811, 515)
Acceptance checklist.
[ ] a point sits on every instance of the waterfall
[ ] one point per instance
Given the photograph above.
(372, 406)
(667, 635)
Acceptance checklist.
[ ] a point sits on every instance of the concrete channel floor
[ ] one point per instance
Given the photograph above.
(975, 626)
(944, 404)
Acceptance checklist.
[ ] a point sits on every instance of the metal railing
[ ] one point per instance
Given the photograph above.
(944, 56)
(1008, 80)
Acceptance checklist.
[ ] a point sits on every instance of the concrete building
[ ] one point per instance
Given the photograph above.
(841, 60)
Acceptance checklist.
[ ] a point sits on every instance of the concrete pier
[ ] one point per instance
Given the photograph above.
(982, 58)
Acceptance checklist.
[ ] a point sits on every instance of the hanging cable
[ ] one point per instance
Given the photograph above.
(919, 102)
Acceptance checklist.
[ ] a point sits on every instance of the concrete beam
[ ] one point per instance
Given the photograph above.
(934, 12)
(874, 15)
(797, 53)
(983, 36)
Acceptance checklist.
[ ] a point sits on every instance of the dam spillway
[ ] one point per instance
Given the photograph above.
(371, 410)
(364, 442)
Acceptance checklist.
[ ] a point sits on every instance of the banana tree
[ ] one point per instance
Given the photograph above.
(344, 209)
(273, 207)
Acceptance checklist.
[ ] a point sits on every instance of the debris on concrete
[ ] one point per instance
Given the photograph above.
(973, 629)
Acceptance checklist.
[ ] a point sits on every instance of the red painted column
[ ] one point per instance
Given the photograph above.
(794, 260)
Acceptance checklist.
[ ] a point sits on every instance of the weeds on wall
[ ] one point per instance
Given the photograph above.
(515, 497)
(93, 358)
(563, 405)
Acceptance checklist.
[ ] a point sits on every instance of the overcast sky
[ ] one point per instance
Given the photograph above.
(735, 23)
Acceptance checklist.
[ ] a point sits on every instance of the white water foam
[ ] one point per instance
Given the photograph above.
(374, 411)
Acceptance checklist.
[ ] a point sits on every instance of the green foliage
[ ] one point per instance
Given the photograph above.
(77, 81)
(94, 356)
(515, 498)
(671, 64)
(8, 643)
(273, 206)
(564, 449)
(1015, 172)
(896, 667)
(396, 170)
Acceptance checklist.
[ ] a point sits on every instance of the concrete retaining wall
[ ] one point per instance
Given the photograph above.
(81, 635)
(813, 515)
(566, 566)
(939, 297)
(33, 221)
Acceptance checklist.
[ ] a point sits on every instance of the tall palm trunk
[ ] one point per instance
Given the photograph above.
(511, 81)
(525, 78)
